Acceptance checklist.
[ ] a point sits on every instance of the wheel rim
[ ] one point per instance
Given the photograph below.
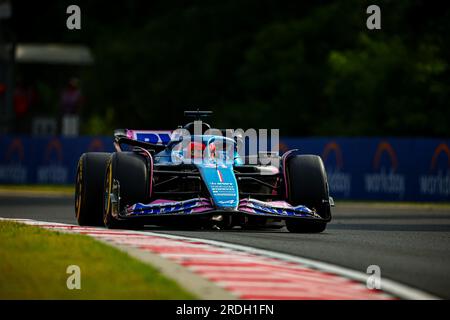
(108, 188)
(79, 188)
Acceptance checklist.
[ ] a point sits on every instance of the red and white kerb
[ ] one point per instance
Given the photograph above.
(244, 274)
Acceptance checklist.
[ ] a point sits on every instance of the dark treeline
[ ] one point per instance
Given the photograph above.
(307, 67)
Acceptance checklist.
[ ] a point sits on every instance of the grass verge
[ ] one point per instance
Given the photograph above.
(393, 204)
(69, 190)
(37, 190)
(33, 264)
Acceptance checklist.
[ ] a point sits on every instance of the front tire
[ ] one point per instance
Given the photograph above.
(89, 188)
(308, 186)
(130, 170)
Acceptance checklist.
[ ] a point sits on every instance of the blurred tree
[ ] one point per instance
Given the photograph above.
(309, 68)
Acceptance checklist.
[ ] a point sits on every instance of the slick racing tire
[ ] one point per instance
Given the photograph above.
(308, 186)
(89, 188)
(130, 170)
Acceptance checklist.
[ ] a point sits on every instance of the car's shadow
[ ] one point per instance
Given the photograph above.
(331, 228)
(238, 230)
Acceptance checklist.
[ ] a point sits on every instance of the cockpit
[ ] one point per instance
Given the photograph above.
(204, 149)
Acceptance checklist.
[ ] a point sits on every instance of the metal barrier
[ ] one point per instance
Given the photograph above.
(358, 168)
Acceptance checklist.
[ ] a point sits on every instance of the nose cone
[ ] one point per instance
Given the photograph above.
(222, 185)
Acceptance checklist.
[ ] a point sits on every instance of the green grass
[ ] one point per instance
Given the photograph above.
(69, 190)
(37, 190)
(33, 264)
(398, 204)
(39, 187)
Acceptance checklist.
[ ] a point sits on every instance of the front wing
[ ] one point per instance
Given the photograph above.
(196, 206)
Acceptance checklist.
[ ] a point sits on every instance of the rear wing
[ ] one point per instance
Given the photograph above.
(148, 139)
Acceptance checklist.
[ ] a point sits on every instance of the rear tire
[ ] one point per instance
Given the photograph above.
(131, 171)
(308, 186)
(89, 188)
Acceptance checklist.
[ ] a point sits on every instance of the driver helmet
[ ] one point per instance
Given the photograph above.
(212, 150)
(195, 150)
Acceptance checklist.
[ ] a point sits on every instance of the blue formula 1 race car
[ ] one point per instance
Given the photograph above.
(192, 178)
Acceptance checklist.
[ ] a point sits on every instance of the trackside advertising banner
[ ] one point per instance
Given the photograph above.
(396, 169)
(52, 160)
(382, 168)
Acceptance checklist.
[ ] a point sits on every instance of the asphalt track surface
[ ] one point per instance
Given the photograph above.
(411, 244)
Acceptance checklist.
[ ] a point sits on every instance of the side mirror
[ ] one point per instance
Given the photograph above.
(174, 141)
